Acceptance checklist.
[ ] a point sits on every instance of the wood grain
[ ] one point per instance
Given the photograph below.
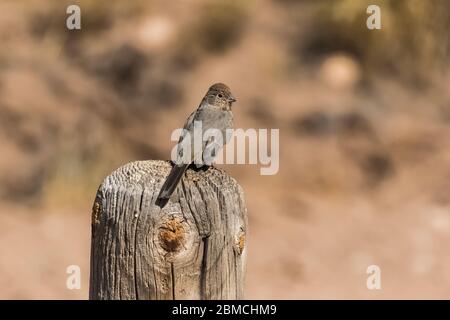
(193, 248)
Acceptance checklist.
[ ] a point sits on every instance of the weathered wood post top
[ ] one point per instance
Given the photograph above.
(193, 248)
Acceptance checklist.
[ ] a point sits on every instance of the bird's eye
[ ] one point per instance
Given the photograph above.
(220, 95)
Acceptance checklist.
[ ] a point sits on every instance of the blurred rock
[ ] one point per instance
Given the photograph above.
(340, 72)
(439, 218)
(156, 32)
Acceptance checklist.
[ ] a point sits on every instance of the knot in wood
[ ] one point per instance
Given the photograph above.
(96, 210)
(240, 242)
(172, 234)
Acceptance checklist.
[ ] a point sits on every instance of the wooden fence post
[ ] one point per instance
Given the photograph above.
(193, 248)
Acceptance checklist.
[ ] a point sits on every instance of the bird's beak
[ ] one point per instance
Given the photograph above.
(232, 99)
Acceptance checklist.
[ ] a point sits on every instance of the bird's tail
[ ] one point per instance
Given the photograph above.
(170, 184)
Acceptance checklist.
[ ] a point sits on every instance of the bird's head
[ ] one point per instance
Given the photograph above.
(220, 95)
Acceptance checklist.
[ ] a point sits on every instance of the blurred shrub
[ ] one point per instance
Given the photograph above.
(121, 67)
(376, 167)
(353, 123)
(218, 27)
(97, 16)
(316, 123)
(261, 111)
(221, 25)
(413, 42)
(320, 123)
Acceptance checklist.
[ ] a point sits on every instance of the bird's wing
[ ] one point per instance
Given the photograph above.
(188, 126)
(184, 143)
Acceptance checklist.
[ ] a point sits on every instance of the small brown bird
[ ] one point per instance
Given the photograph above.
(214, 112)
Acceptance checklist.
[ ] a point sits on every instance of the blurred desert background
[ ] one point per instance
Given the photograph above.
(364, 119)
